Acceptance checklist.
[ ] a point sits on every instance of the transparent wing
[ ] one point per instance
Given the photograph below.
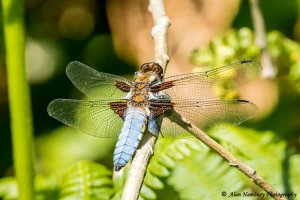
(95, 118)
(213, 84)
(201, 98)
(205, 114)
(96, 85)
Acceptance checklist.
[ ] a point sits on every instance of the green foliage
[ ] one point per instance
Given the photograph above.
(86, 180)
(47, 187)
(181, 169)
(167, 154)
(228, 48)
(240, 44)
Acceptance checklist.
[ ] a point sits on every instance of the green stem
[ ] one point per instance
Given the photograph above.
(19, 97)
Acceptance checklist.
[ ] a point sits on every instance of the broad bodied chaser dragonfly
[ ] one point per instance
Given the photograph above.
(124, 109)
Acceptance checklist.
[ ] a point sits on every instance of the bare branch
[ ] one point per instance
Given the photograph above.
(142, 157)
(160, 32)
(269, 71)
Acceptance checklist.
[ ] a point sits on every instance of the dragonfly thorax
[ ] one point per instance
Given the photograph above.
(140, 94)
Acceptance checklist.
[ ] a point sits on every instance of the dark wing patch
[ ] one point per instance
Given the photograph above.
(162, 86)
(159, 108)
(123, 86)
(119, 108)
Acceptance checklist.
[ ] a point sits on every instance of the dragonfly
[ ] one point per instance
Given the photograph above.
(126, 109)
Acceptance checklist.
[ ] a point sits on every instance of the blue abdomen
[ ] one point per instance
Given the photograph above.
(134, 125)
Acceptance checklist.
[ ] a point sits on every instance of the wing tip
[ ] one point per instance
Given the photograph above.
(253, 106)
(71, 65)
(74, 62)
(50, 111)
(49, 107)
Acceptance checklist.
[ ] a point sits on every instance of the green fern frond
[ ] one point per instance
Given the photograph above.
(272, 159)
(147, 193)
(87, 180)
(167, 154)
(205, 177)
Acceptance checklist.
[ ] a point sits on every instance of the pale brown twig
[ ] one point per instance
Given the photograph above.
(142, 157)
(269, 71)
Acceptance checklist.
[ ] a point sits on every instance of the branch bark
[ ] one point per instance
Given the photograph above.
(160, 32)
(269, 70)
(143, 155)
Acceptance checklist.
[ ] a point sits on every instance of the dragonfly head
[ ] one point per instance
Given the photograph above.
(152, 67)
(149, 72)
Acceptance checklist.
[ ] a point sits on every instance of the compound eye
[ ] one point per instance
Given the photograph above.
(144, 67)
(158, 69)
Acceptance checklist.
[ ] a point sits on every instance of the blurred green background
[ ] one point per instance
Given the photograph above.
(54, 38)
(114, 37)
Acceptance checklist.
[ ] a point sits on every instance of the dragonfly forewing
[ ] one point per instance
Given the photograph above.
(97, 85)
(212, 84)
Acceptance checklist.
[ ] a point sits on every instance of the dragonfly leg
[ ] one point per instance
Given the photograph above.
(153, 127)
